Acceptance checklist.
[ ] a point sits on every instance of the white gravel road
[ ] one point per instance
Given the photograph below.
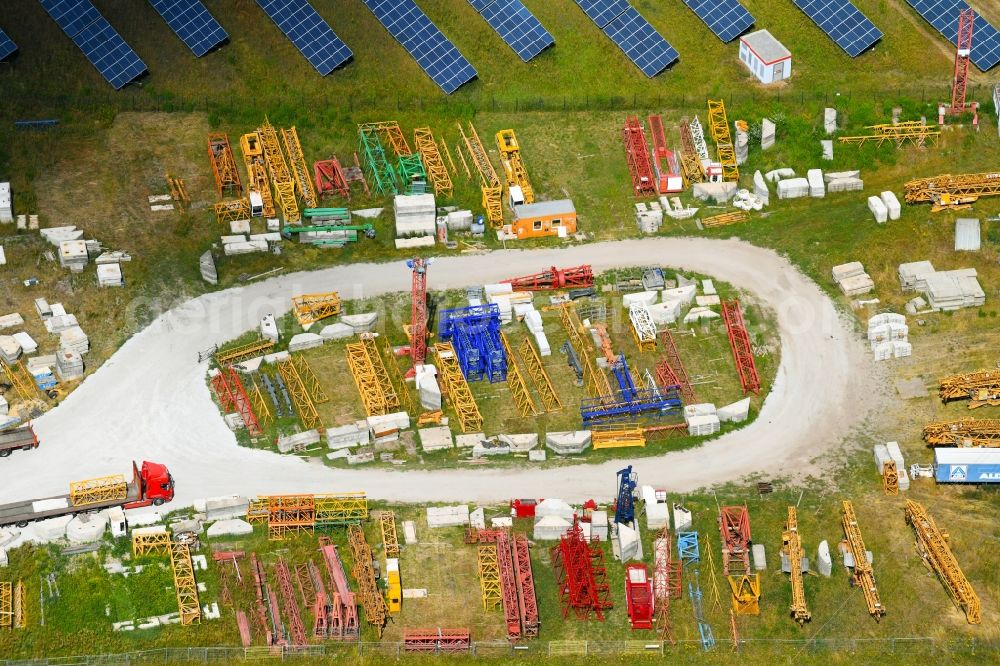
(150, 400)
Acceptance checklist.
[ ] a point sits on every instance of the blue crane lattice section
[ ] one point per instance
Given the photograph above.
(843, 23)
(629, 401)
(625, 503)
(7, 45)
(516, 25)
(434, 52)
(687, 547)
(309, 32)
(103, 46)
(728, 19)
(192, 23)
(943, 15)
(633, 34)
(475, 334)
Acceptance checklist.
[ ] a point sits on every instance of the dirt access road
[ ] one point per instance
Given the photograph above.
(150, 400)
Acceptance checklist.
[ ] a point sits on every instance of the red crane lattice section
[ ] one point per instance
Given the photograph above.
(963, 50)
(739, 342)
(555, 278)
(437, 640)
(418, 312)
(295, 629)
(734, 529)
(581, 575)
(233, 398)
(663, 157)
(526, 586)
(637, 157)
(670, 370)
(329, 178)
(343, 622)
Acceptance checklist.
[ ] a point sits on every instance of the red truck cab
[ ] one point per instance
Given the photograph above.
(155, 483)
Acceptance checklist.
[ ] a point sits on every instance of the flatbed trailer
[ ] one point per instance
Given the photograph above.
(22, 438)
(150, 485)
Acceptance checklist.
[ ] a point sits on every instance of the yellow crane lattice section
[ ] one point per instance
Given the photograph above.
(792, 546)
(979, 388)
(543, 384)
(489, 576)
(718, 124)
(864, 576)
(914, 132)
(341, 508)
(746, 594)
(489, 181)
(947, 189)
(966, 432)
(365, 378)
(387, 522)
(253, 159)
(95, 491)
(431, 158)
(456, 389)
(311, 308)
(6, 605)
(20, 605)
(19, 379)
(513, 164)
(284, 186)
(243, 352)
(290, 514)
(232, 210)
(595, 381)
(397, 377)
(300, 169)
(151, 543)
(932, 544)
(381, 373)
(617, 436)
(299, 393)
(309, 379)
(227, 176)
(694, 170)
(725, 219)
(515, 381)
(261, 408)
(257, 511)
(369, 596)
(185, 584)
(390, 133)
(890, 477)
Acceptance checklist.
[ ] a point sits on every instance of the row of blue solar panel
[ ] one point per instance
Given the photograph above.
(192, 23)
(516, 25)
(943, 15)
(7, 45)
(843, 22)
(632, 33)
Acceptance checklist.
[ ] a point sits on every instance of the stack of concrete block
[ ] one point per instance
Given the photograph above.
(913, 275)
(6, 204)
(387, 426)
(945, 290)
(336, 331)
(436, 438)
(69, 365)
(626, 544)
(844, 181)
(747, 200)
(793, 188)
(648, 221)
(469, 440)
(269, 328)
(741, 142)
(829, 120)
(362, 322)
(568, 443)
(736, 412)
(459, 220)
(299, 442)
(11, 320)
(778, 174)
(206, 264)
(767, 132)
(415, 215)
(428, 388)
(852, 279)
(303, 341)
(42, 375)
(888, 336)
(697, 314)
(347, 436)
(73, 255)
(447, 516)
(493, 446)
(720, 193)
(74, 339)
(817, 187)
(891, 204)
(827, 147)
(60, 322)
(639, 298)
(878, 209)
(110, 275)
(550, 528)
(238, 244)
(967, 236)
(10, 350)
(533, 320)
(28, 344)
(701, 419)
(656, 506)
(520, 442)
(56, 235)
(760, 188)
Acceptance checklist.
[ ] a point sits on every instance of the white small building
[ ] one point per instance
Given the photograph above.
(766, 57)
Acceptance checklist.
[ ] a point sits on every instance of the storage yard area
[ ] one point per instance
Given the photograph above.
(456, 330)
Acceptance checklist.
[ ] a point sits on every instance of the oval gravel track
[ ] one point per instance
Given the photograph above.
(150, 399)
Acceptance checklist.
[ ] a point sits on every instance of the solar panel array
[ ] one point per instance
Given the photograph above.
(192, 23)
(843, 23)
(103, 46)
(7, 45)
(633, 34)
(309, 32)
(435, 54)
(728, 19)
(943, 15)
(516, 25)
